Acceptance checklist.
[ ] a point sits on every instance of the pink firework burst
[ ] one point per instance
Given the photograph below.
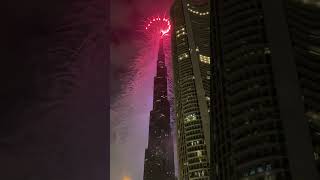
(158, 25)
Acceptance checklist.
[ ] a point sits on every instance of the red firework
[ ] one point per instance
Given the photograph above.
(158, 25)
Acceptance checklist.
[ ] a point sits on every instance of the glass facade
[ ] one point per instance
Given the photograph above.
(247, 133)
(304, 25)
(191, 61)
(255, 134)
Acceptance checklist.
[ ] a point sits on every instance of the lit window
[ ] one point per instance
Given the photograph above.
(316, 156)
(204, 59)
(267, 51)
(191, 117)
(183, 56)
(180, 32)
(197, 12)
(199, 153)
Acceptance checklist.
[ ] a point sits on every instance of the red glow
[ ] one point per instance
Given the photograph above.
(159, 25)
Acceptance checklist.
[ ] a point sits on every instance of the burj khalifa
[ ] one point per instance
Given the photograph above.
(159, 156)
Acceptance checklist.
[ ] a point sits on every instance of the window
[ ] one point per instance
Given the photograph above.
(268, 167)
(190, 118)
(180, 32)
(316, 155)
(199, 153)
(183, 56)
(252, 172)
(267, 51)
(204, 59)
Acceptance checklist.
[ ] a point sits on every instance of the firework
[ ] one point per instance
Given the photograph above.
(158, 25)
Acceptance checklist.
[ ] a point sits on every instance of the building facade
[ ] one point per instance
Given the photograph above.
(265, 79)
(191, 69)
(159, 155)
(304, 27)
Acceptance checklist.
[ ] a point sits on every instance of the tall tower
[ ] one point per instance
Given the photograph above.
(191, 62)
(159, 156)
(266, 113)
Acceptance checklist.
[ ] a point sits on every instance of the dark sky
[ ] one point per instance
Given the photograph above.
(130, 109)
(53, 90)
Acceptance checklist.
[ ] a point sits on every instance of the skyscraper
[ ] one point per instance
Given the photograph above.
(191, 66)
(265, 82)
(159, 156)
(304, 26)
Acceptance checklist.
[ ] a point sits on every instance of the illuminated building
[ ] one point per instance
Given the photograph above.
(191, 69)
(266, 84)
(159, 156)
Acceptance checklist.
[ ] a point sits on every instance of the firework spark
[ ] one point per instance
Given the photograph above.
(157, 24)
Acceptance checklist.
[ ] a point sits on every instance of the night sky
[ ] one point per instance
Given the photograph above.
(53, 90)
(133, 59)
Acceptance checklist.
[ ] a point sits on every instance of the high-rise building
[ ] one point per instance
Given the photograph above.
(304, 26)
(191, 69)
(266, 82)
(159, 155)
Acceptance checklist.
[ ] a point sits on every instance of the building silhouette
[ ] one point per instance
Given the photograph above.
(266, 82)
(159, 155)
(191, 69)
